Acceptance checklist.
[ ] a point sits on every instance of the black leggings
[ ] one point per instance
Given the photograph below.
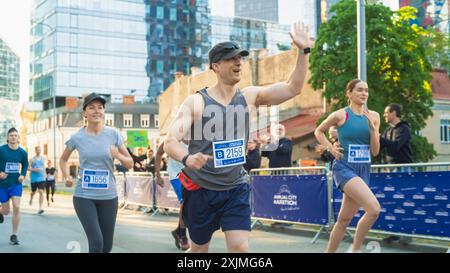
(98, 218)
(48, 185)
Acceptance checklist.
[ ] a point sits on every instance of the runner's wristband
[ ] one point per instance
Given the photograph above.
(185, 159)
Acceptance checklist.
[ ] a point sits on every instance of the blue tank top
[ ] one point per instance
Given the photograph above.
(38, 176)
(355, 131)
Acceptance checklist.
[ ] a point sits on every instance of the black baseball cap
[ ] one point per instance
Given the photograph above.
(92, 97)
(224, 51)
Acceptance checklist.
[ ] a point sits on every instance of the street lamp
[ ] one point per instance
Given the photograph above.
(361, 14)
(52, 29)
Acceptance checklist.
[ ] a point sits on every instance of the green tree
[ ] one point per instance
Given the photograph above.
(397, 67)
(437, 45)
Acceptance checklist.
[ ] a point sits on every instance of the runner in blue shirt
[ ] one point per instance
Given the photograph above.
(358, 134)
(37, 178)
(13, 169)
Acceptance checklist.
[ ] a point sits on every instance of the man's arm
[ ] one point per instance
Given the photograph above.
(24, 165)
(283, 91)
(191, 109)
(158, 159)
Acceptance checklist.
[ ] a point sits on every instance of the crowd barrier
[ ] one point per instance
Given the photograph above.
(414, 197)
(291, 195)
(165, 197)
(414, 200)
(135, 188)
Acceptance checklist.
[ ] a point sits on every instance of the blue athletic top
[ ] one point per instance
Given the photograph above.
(36, 177)
(354, 131)
(14, 163)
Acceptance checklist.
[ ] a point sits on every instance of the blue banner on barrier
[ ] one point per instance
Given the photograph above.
(291, 198)
(411, 203)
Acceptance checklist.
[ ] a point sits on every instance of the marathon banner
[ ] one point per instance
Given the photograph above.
(166, 196)
(295, 198)
(411, 203)
(139, 190)
(120, 185)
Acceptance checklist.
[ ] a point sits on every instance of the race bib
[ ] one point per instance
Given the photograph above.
(12, 167)
(50, 177)
(229, 153)
(359, 154)
(95, 179)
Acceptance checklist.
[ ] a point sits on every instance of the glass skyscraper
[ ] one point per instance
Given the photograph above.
(257, 9)
(83, 46)
(251, 33)
(178, 36)
(9, 73)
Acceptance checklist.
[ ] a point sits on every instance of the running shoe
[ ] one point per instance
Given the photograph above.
(40, 211)
(13, 240)
(177, 237)
(1, 218)
(53, 201)
(184, 243)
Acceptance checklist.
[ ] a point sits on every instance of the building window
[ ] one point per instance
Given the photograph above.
(445, 130)
(156, 121)
(127, 120)
(73, 79)
(73, 59)
(60, 120)
(160, 12)
(145, 120)
(109, 119)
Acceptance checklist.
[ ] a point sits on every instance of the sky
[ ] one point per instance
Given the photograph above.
(14, 30)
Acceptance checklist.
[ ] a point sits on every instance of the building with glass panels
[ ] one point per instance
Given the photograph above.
(9, 73)
(81, 46)
(430, 13)
(9, 116)
(178, 36)
(257, 9)
(251, 33)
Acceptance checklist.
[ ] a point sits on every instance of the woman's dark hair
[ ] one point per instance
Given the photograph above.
(12, 130)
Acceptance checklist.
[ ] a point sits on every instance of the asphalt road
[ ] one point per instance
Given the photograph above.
(59, 231)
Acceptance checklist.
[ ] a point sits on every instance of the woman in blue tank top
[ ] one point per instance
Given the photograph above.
(358, 134)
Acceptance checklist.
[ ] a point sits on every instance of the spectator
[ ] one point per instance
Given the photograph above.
(253, 158)
(396, 140)
(281, 156)
(396, 143)
(138, 164)
(325, 154)
(150, 166)
(164, 164)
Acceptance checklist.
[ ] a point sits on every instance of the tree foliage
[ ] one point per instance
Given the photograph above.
(397, 66)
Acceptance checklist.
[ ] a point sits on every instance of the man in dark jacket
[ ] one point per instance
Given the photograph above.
(253, 159)
(281, 157)
(396, 140)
